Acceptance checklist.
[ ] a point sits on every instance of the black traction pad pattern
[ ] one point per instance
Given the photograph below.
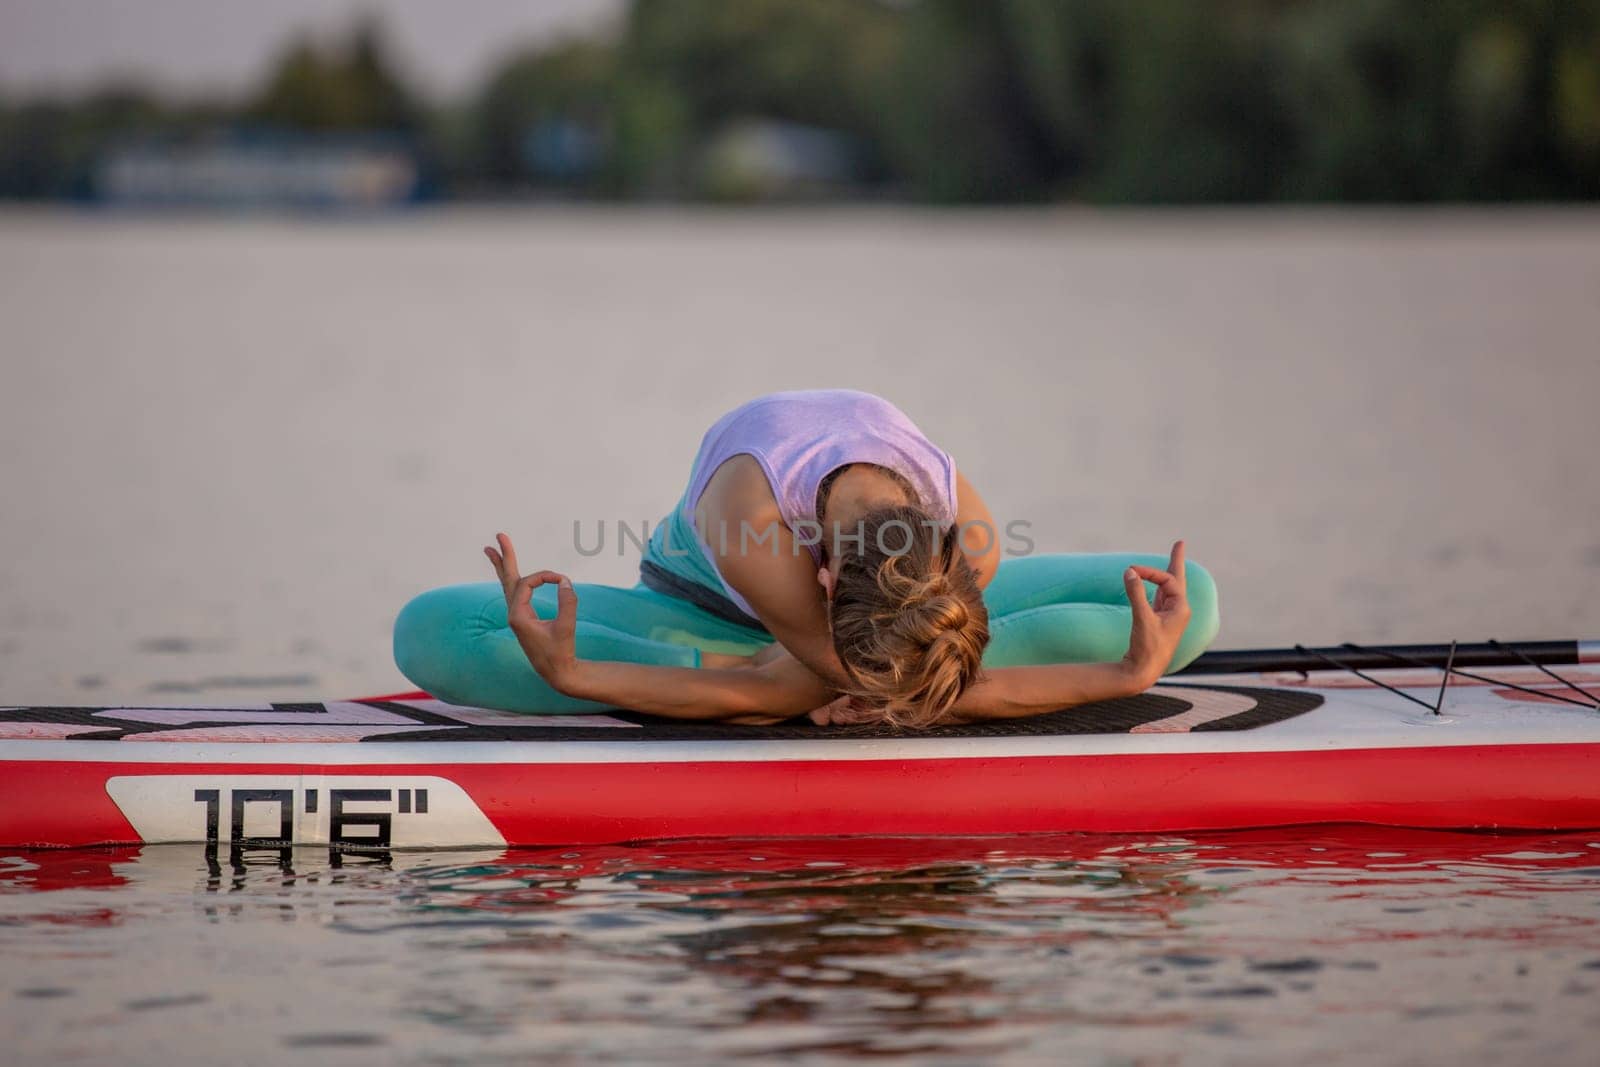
(408, 724)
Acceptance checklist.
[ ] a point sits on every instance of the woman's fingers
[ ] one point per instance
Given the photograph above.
(504, 560)
(519, 596)
(1133, 585)
(844, 710)
(519, 590)
(1167, 586)
(566, 602)
(831, 712)
(524, 587)
(1152, 574)
(1157, 628)
(499, 567)
(508, 553)
(1170, 592)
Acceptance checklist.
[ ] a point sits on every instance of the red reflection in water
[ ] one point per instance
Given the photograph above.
(45, 870)
(1378, 850)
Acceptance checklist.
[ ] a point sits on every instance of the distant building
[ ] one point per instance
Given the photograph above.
(294, 171)
(562, 150)
(765, 159)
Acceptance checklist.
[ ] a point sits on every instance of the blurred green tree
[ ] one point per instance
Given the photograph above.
(570, 87)
(1453, 102)
(959, 119)
(689, 67)
(1154, 100)
(348, 86)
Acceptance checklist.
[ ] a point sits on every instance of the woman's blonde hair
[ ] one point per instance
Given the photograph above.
(909, 622)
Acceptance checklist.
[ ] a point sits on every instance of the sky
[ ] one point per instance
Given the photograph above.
(446, 46)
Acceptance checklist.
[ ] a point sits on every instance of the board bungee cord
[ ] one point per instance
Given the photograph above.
(1448, 659)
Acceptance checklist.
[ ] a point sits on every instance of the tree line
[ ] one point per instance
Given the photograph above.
(947, 101)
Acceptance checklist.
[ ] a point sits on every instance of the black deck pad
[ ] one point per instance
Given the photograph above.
(1265, 707)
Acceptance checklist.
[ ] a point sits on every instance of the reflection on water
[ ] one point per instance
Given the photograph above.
(1350, 942)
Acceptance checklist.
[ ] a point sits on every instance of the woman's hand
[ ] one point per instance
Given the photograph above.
(845, 710)
(550, 644)
(1157, 629)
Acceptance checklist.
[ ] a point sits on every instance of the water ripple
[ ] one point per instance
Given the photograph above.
(937, 950)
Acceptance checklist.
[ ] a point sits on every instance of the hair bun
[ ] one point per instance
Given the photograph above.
(938, 609)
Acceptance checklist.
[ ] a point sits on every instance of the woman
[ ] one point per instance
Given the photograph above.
(826, 558)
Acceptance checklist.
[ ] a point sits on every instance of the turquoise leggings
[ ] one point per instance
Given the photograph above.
(454, 642)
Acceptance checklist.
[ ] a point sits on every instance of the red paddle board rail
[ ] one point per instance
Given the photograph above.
(1379, 657)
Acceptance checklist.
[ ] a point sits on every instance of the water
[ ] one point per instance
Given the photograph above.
(230, 450)
(1333, 946)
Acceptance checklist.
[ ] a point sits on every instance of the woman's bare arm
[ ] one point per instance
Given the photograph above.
(773, 691)
(785, 593)
(980, 540)
(767, 693)
(1017, 692)
(1014, 692)
(761, 557)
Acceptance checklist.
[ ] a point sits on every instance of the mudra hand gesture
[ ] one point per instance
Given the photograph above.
(550, 644)
(1158, 627)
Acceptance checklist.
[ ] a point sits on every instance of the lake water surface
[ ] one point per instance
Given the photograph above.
(1323, 946)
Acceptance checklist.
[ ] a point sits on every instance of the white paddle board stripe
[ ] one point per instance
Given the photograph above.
(1208, 705)
(277, 733)
(331, 713)
(489, 717)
